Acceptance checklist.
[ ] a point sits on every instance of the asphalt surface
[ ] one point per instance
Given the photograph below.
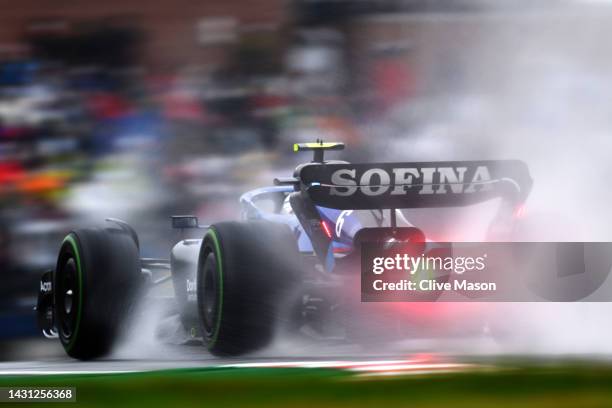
(46, 357)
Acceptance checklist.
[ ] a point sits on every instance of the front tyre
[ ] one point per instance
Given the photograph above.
(96, 280)
(245, 272)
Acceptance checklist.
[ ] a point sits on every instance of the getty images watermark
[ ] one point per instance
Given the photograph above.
(410, 265)
(498, 272)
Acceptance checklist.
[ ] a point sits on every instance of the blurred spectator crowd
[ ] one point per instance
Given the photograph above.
(88, 131)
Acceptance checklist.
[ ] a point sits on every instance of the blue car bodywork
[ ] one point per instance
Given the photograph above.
(342, 237)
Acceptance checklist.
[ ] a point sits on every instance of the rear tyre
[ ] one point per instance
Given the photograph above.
(245, 272)
(96, 281)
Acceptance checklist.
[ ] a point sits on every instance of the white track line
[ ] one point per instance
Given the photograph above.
(62, 372)
(415, 365)
(381, 367)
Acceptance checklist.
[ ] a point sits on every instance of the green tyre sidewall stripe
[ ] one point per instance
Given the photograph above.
(217, 248)
(70, 239)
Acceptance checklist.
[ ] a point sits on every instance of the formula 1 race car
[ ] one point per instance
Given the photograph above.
(288, 260)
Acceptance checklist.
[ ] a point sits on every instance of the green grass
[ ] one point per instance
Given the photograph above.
(554, 386)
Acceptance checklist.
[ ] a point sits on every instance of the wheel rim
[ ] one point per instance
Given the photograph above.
(210, 293)
(68, 301)
(67, 292)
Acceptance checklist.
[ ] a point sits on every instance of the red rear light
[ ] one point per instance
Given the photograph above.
(341, 250)
(326, 229)
(519, 211)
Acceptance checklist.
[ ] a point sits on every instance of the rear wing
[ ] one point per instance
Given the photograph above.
(413, 185)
